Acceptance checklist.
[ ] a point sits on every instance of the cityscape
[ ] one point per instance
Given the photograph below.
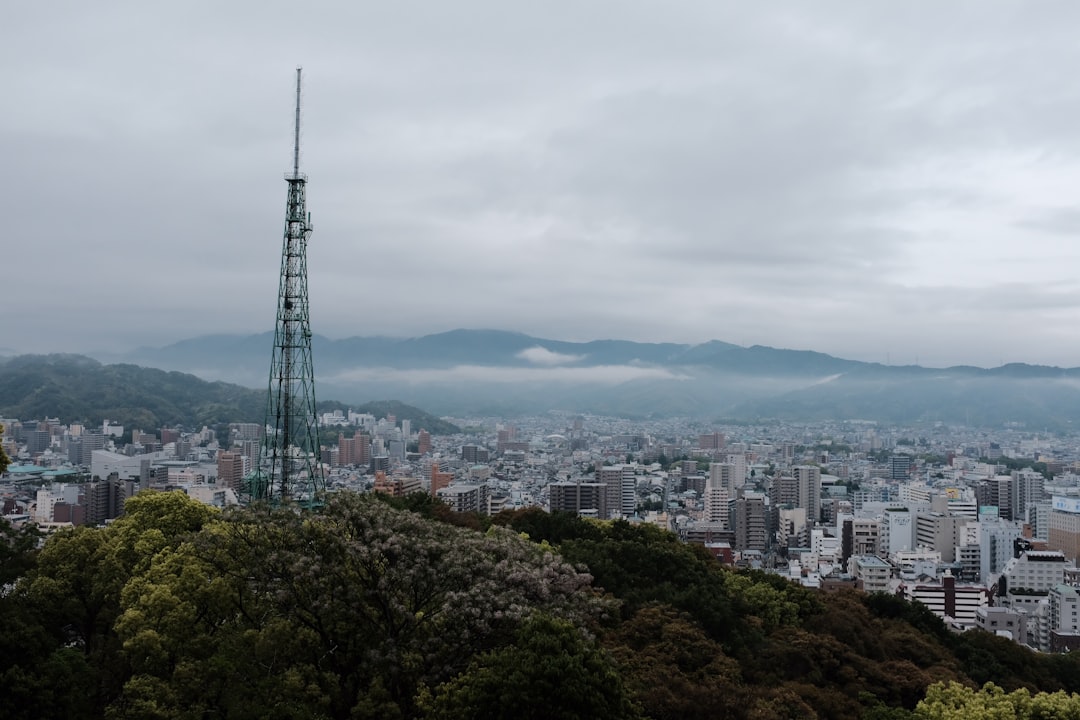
(573, 505)
(981, 526)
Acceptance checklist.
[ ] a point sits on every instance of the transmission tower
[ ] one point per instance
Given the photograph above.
(290, 468)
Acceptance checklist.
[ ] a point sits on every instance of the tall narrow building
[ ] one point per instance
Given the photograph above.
(808, 482)
(719, 490)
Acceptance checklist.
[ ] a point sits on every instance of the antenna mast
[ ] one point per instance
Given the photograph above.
(296, 133)
(290, 466)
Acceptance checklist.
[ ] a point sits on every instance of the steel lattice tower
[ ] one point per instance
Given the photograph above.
(290, 448)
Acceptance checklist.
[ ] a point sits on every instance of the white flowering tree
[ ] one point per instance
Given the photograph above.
(350, 611)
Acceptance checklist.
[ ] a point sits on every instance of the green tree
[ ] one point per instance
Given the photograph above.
(672, 669)
(69, 601)
(343, 613)
(550, 672)
(953, 701)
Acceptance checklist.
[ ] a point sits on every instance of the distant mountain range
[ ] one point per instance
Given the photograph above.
(468, 372)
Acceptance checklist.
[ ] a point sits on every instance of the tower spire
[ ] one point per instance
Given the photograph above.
(289, 459)
(296, 133)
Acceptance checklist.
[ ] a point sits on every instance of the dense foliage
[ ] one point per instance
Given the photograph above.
(953, 701)
(77, 388)
(397, 608)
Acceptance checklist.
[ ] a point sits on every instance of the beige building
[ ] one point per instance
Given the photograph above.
(1064, 534)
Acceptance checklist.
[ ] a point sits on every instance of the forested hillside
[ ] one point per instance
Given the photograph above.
(385, 608)
(76, 388)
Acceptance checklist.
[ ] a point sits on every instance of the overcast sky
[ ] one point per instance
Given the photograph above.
(890, 182)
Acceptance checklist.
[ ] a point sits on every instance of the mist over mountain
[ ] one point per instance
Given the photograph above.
(499, 372)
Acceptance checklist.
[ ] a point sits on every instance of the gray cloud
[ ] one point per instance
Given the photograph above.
(854, 178)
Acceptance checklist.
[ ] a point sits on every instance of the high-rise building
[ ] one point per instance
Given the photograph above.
(362, 450)
(939, 532)
(724, 475)
(578, 497)
(1026, 579)
(897, 531)
(785, 491)
(183, 448)
(1064, 621)
(397, 485)
(621, 484)
(996, 492)
(90, 441)
(466, 497)
(423, 442)
(250, 450)
(355, 450)
(719, 491)
(711, 441)
(1027, 488)
(37, 441)
(230, 470)
(1064, 534)
(808, 479)
(104, 500)
(738, 459)
(860, 536)
(749, 521)
(899, 467)
(996, 538)
(474, 454)
(439, 479)
(246, 431)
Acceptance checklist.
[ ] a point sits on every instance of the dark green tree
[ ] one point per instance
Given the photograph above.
(550, 672)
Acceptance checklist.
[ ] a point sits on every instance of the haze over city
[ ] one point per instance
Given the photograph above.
(886, 183)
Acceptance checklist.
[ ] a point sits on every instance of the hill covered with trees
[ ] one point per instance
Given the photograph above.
(398, 608)
(74, 387)
(78, 388)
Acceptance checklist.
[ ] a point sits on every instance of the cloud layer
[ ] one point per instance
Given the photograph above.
(874, 181)
(542, 356)
(595, 375)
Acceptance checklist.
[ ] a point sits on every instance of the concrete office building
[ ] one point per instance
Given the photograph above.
(1064, 530)
(582, 498)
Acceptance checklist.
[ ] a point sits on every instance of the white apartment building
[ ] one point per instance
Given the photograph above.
(897, 531)
(1027, 579)
(871, 573)
(1064, 619)
(465, 497)
(955, 604)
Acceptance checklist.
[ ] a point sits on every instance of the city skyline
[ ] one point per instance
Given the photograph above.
(890, 184)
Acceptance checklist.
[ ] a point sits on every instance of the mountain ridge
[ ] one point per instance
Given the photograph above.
(462, 371)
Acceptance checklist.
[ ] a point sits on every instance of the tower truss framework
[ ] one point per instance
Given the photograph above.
(290, 468)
